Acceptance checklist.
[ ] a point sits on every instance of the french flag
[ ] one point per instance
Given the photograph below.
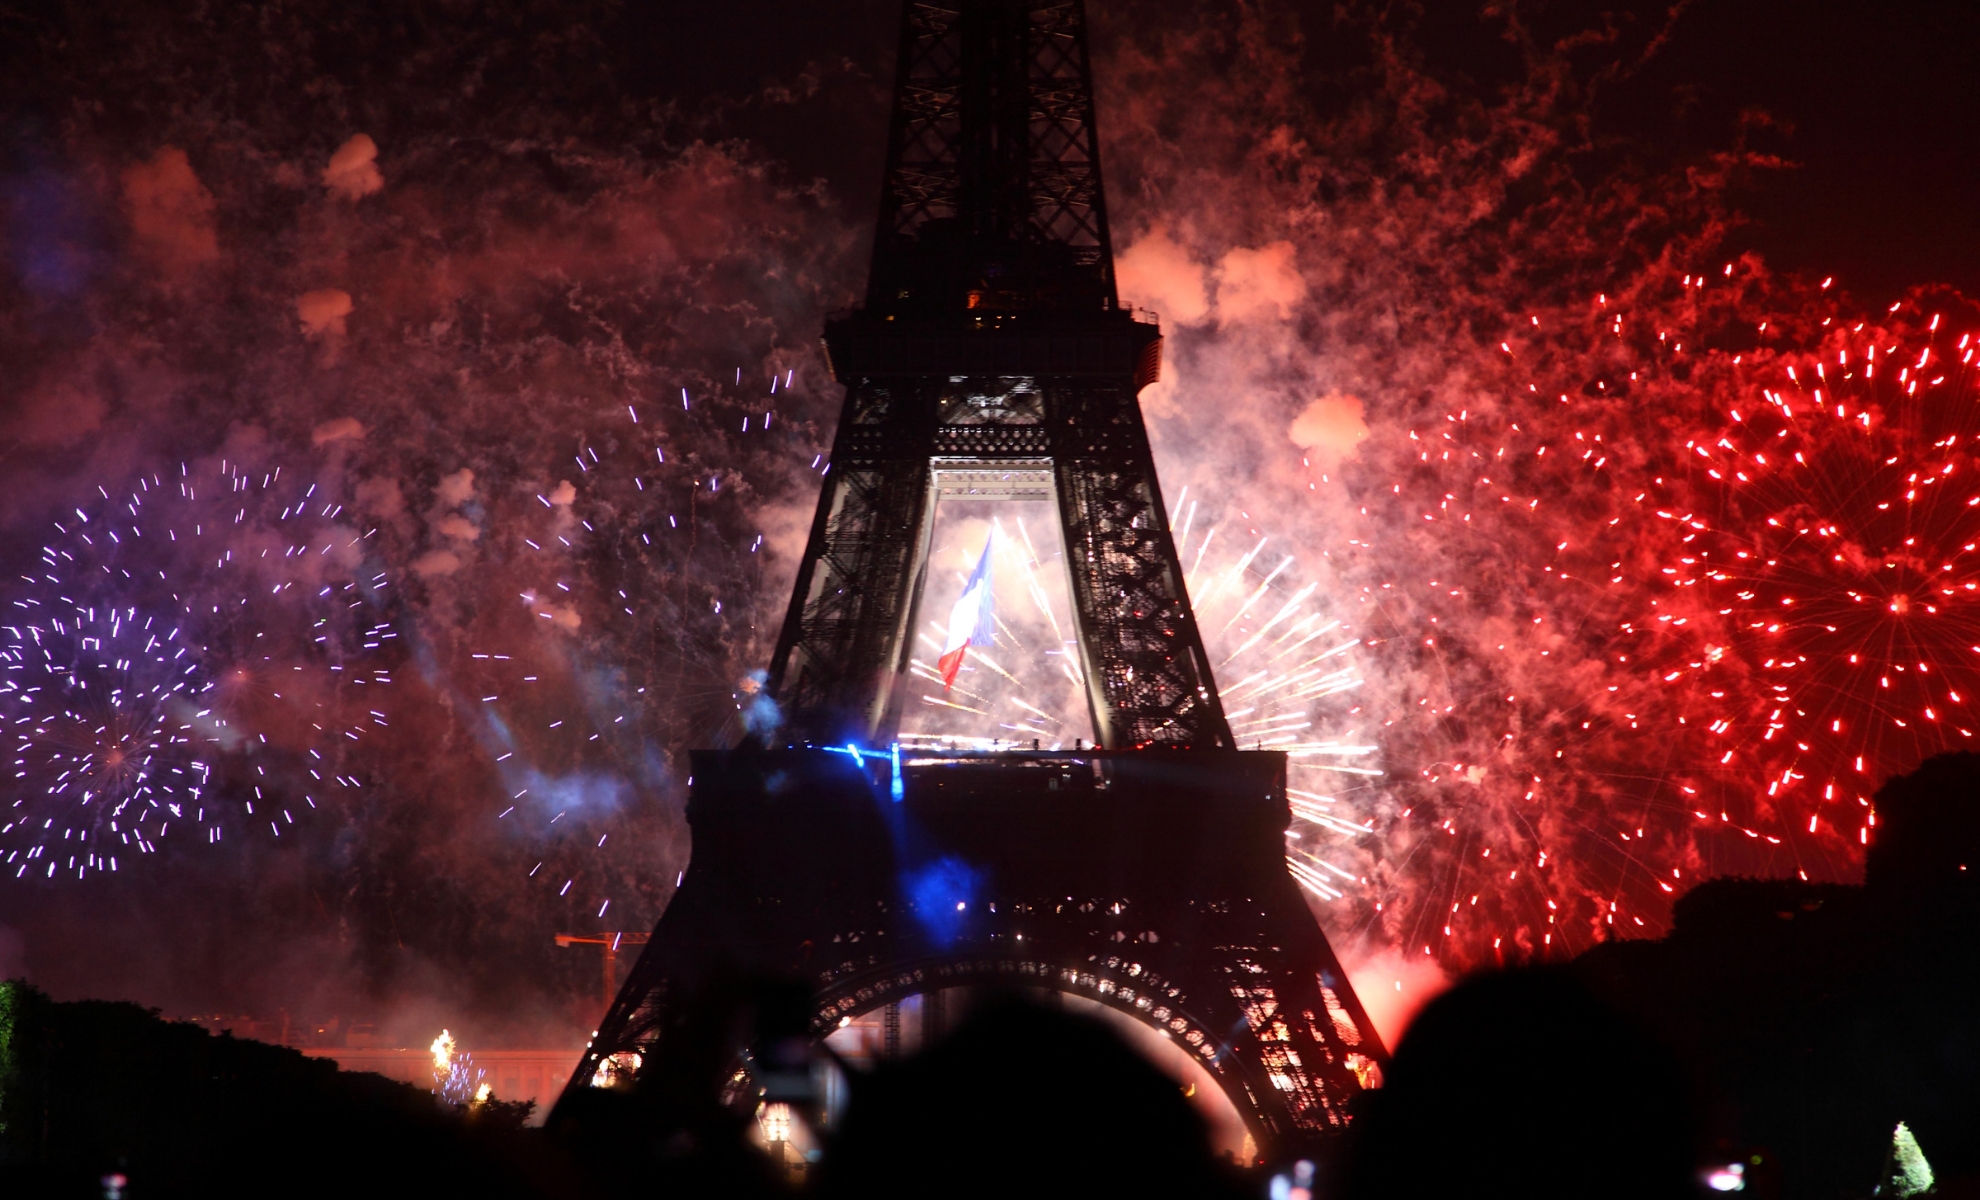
(970, 623)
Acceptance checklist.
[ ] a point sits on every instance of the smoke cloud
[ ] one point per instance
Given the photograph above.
(170, 212)
(353, 171)
(1393, 986)
(323, 312)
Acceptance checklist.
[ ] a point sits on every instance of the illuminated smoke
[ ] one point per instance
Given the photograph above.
(582, 689)
(1458, 377)
(442, 266)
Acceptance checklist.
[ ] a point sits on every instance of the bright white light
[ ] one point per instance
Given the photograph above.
(1729, 1178)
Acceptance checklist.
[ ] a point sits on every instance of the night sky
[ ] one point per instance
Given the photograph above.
(565, 209)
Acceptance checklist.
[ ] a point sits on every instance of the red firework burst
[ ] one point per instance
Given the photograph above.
(1829, 575)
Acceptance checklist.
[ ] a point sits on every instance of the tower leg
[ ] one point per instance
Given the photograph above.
(1152, 883)
(1148, 679)
(849, 630)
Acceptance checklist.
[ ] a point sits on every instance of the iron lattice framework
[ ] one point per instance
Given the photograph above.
(992, 340)
(906, 440)
(993, 171)
(992, 358)
(1152, 883)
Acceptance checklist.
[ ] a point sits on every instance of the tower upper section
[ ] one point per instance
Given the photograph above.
(992, 340)
(992, 206)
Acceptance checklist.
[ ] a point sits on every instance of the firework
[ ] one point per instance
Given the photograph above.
(624, 638)
(192, 655)
(1289, 675)
(456, 1080)
(1488, 563)
(1514, 740)
(95, 737)
(1646, 650)
(1824, 574)
(1451, 397)
(1286, 665)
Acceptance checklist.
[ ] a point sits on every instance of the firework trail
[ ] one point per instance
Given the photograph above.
(101, 745)
(1285, 664)
(1713, 647)
(1820, 616)
(196, 653)
(1288, 671)
(636, 579)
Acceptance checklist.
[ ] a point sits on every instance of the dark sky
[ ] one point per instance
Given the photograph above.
(1871, 106)
(1876, 103)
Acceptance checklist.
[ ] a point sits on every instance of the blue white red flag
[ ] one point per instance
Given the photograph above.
(970, 621)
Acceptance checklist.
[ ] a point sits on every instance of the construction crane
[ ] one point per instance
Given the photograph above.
(611, 943)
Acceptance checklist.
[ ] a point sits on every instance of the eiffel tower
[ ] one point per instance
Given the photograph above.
(993, 358)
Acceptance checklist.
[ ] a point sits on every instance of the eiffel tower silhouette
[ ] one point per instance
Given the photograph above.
(992, 358)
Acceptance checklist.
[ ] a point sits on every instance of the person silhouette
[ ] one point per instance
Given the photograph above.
(1021, 1099)
(1521, 1083)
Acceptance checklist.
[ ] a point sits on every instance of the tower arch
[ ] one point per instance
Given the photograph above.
(952, 987)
